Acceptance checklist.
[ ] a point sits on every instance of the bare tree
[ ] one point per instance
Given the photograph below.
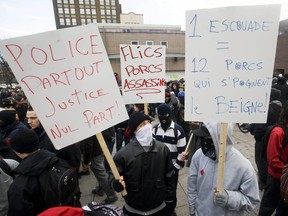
(6, 74)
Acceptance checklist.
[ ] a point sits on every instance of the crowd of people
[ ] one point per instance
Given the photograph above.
(148, 156)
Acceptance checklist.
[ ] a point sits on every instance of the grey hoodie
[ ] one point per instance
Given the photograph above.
(240, 180)
(5, 182)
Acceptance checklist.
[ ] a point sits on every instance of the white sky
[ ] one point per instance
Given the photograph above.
(25, 17)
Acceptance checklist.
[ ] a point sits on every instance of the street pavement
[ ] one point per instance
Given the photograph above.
(243, 142)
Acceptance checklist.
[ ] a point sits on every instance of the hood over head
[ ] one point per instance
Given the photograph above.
(215, 131)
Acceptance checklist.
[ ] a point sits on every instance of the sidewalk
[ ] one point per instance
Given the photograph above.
(243, 142)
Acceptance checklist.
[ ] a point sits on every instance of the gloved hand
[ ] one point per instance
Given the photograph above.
(117, 186)
(221, 198)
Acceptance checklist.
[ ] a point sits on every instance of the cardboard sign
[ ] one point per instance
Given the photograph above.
(67, 77)
(229, 61)
(143, 73)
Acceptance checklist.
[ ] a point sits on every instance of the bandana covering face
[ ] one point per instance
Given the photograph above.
(144, 135)
(208, 147)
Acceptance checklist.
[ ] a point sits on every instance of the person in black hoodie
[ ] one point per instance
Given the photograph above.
(258, 131)
(283, 87)
(71, 153)
(24, 193)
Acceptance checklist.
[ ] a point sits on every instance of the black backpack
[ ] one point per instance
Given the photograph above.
(59, 184)
(263, 172)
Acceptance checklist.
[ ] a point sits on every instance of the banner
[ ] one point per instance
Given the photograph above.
(67, 77)
(229, 61)
(143, 73)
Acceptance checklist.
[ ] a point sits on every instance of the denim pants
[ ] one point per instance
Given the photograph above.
(98, 168)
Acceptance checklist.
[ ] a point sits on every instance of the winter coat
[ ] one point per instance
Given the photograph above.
(24, 193)
(277, 156)
(148, 175)
(240, 180)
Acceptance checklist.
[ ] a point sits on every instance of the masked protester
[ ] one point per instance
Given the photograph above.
(240, 194)
(173, 136)
(146, 171)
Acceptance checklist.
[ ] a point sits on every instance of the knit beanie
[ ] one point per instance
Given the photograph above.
(24, 140)
(136, 119)
(164, 109)
(8, 116)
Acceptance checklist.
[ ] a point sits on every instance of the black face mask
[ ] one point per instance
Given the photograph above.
(165, 121)
(208, 147)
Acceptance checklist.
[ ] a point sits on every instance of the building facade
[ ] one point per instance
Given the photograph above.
(70, 13)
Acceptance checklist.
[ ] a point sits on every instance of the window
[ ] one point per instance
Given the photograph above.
(59, 1)
(81, 1)
(113, 12)
(83, 21)
(82, 11)
(66, 10)
(74, 21)
(107, 2)
(102, 12)
(134, 42)
(108, 12)
(164, 43)
(88, 11)
(60, 10)
(149, 43)
(62, 22)
(68, 22)
(93, 11)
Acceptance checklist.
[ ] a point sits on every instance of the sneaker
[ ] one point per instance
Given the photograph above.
(98, 191)
(109, 200)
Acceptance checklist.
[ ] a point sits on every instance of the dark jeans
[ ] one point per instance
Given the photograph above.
(272, 199)
(260, 163)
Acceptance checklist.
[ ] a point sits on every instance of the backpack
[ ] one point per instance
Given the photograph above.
(59, 184)
(263, 172)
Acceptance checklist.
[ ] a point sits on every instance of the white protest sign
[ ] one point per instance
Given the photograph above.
(143, 73)
(67, 77)
(229, 63)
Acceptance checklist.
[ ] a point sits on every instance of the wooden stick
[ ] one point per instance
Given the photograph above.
(109, 159)
(222, 156)
(146, 108)
(189, 143)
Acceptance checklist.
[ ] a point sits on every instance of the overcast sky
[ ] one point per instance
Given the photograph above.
(25, 17)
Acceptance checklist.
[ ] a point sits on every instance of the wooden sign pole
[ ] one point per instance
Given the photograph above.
(109, 159)
(189, 143)
(222, 156)
(146, 108)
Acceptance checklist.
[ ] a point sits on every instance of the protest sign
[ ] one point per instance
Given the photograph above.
(229, 61)
(67, 77)
(143, 73)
